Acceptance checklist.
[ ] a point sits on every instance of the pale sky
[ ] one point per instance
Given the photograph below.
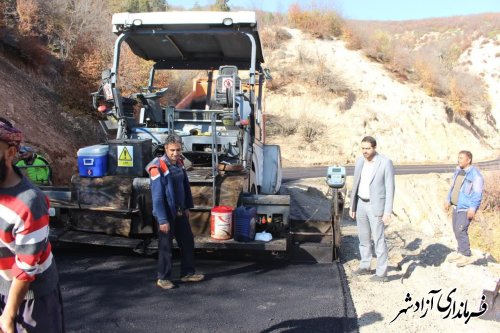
(368, 9)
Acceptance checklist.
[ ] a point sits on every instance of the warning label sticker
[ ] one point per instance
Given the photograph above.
(125, 156)
(228, 83)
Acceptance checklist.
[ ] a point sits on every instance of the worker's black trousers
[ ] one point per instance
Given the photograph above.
(41, 314)
(181, 230)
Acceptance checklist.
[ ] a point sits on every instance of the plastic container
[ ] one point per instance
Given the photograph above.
(93, 161)
(221, 222)
(244, 224)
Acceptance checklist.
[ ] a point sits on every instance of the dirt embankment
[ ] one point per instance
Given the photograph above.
(409, 125)
(35, 109)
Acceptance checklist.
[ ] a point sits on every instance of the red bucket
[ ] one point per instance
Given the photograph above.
(221, 222)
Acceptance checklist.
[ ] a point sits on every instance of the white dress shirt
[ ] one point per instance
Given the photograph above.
(366, 177)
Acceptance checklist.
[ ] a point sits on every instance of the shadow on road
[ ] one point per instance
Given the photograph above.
(369, 318)
(432, 255)
(321, 324)
(254, 268)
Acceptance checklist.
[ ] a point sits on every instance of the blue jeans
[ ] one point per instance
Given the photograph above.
(181, 230)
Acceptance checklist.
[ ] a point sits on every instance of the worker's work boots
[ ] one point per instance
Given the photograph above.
(454, 256)
(192, 278)
(465, 260)
(165, 284)
(362, 271)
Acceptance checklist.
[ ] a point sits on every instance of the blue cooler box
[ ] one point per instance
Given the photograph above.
(93, 161)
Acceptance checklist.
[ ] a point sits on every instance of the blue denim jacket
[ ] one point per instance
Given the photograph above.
(471, 192)
(163, 192)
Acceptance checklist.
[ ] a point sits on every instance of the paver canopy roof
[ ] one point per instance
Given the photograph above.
(191, 37)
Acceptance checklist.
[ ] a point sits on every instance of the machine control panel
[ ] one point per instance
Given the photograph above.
(335, 176)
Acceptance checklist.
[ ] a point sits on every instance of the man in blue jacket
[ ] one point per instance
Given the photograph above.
(465, 197)
(172, 199)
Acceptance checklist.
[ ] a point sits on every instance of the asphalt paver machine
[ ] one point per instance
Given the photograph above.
(221, 122)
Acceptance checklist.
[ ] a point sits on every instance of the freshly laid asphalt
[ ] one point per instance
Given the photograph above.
(113, 290)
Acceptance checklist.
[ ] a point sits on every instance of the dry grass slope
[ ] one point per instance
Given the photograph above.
(430, 54)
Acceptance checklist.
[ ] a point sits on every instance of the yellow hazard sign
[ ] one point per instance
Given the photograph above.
(126, 156)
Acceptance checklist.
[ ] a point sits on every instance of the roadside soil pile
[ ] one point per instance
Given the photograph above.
(419, 238)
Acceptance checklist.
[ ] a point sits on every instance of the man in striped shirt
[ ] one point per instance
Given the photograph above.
(30, 298)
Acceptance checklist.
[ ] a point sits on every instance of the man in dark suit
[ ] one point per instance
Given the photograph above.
(371, 205)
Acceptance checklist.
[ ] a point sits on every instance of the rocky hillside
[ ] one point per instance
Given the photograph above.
(29, 102)
(315, 126)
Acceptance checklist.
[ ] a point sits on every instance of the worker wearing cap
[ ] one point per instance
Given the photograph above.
(30, 297)
(34, 166)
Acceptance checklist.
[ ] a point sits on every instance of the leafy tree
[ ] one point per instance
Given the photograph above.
(221, 5)
(197, 6)
(137, 6)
